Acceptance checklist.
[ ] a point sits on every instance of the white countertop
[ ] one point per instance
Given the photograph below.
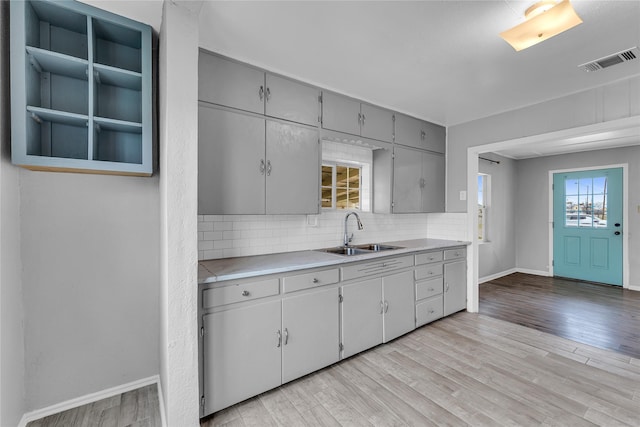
(218, 270)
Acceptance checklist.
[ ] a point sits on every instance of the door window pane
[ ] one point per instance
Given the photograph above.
(586, 202)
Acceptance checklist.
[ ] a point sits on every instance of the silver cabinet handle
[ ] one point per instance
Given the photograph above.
(261, 166)
(268, 167)
(430, 289)
(268, 94)
(386, 306)
(364, 118)
(423, 135)
(431, 311)
(381, 307)
(261, 93)
(279, 335)
(286, 336)
(360, 118)
(446, 287)
(245, 293)
(315, 280)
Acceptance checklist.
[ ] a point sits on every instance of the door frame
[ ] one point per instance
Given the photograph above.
(625, 213)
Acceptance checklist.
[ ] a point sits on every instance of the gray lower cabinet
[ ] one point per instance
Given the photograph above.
(376, 311)
(418, 181)
(252, 349)
(310, 332)
(242, 354)
(251, 165)
(455, 282)
(416, 133)
(344, 114)
(233, 84)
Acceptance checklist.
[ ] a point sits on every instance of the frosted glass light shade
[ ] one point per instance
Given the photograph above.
(542, 26)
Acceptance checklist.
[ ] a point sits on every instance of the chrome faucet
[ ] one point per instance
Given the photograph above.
(348, 238)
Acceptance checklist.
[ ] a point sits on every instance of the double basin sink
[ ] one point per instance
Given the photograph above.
(359, 249)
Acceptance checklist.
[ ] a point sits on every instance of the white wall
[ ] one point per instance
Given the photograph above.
(178, 88)
(90, 250)
(12, 391)
(498, 255)
(614, 101)
(532, 219)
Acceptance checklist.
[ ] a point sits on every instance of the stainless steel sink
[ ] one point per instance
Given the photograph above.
(376, 247)
(346, 250)
(360, 249)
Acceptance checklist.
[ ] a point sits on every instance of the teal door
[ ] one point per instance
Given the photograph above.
(587, 225)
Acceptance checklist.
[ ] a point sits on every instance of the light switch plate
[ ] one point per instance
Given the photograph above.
(463, 195)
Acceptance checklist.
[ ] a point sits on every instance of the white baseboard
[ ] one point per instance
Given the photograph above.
(497, 275)
(534, 272)
(93, 397)
(634, 288)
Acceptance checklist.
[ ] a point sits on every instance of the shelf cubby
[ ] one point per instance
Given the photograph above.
(81, 90)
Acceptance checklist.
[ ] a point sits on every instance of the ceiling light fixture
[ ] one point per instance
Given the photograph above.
(544, 20)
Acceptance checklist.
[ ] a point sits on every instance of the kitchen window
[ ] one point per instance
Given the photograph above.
(341, 186)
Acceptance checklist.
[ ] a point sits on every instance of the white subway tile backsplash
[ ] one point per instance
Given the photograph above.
(242, 235)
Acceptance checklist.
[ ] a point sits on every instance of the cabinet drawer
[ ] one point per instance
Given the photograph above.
(458, 253)
(429, 310)
(428, 271)
(240, 292)
(429, 288)
(428, 257)
(380, 266)
(310, 280)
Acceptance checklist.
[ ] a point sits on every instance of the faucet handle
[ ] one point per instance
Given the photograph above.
(350, 238)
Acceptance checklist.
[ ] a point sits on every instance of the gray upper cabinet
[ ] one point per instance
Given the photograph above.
(418, 181)
(340, 113)
(416, 133)
(233, 84)
(251, 165)
(290, 100)
(229, 83)
(231, 162)
(344, 114)
(81, 89)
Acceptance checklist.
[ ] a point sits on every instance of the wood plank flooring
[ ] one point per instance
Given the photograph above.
(599, 315)
(467, 369)
(136, 408)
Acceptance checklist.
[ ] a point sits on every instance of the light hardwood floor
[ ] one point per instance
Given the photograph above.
(467, 369)
(136, 408)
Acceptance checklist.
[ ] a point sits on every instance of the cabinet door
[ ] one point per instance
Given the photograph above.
(310, 333)
(241, 354)
(291, 100)
(399, 305)
(407, 176)
(435, 137)
(455, 287)
(361, 316)
(377, 123)
(293, 169)
(340, 113)
(408, 131)
(432, 184)
(231, 171)
(224, 82)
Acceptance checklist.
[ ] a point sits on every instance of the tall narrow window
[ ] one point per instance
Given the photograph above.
(341, 186)
(484, 182)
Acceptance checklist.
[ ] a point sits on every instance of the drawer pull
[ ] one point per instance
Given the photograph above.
(431, 311)
(245, 293)
(431, 289)
(315, 280)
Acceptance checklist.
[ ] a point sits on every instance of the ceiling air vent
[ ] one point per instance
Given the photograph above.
(608, 61)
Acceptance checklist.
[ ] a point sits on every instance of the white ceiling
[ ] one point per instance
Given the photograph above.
(442, 61)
